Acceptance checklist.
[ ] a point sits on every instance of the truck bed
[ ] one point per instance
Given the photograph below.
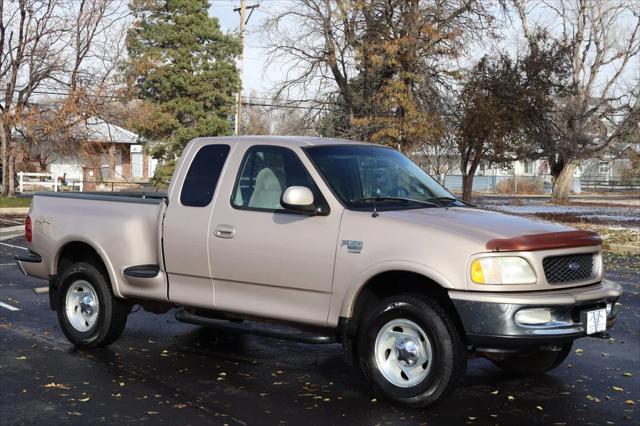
(122, 228)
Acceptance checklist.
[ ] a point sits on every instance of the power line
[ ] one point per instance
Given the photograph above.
(246, 101)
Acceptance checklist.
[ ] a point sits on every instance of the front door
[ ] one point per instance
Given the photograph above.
(265, 260)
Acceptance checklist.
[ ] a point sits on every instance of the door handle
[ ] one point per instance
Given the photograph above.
(224, 231)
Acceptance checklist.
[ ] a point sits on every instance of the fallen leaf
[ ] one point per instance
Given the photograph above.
(617, 388)
(627, 374)
(84, 399)
(579, 351)
(630, 402)
(54, 385)
(495, 392)
(510, 398)
(539, 408)
(151, 413)
(21, 358)
(74, 413)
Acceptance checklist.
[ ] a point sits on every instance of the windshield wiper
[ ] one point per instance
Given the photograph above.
(451, 200)
(399, 199)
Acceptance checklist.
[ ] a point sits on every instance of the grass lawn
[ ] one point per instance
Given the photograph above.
(14, 202)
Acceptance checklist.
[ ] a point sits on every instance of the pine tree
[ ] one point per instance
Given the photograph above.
(181, 66)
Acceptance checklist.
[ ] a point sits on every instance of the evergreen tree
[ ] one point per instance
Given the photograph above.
(181, 65)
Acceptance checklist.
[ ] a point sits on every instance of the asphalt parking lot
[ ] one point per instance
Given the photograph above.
(164, 371)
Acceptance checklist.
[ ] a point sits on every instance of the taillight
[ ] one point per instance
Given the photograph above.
(28, 230)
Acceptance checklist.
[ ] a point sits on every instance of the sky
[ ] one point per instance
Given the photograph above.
(256, 77)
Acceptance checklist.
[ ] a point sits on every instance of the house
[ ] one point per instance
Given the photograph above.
(110, 154)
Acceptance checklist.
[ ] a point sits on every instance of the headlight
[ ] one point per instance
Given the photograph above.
(502, 270)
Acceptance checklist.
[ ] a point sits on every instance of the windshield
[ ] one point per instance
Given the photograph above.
(363, 175)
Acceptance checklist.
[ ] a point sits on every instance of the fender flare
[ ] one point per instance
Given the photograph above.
(354, 289)
(99, 251)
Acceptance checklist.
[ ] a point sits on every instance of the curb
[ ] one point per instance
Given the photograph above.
(6, 211)
(621, 248)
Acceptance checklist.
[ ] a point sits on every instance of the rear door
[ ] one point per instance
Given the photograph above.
(186, 226)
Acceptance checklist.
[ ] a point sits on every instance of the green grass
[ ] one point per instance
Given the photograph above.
(14, 202)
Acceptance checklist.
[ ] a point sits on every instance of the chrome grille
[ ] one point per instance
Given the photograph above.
(570, 268)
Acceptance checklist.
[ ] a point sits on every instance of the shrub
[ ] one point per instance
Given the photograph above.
(526, 185)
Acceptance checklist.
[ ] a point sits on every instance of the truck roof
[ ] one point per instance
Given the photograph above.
(279, 140)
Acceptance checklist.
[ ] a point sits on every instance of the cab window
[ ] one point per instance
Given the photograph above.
(266, 172)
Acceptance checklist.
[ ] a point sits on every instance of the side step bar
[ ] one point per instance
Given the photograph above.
(258, 329)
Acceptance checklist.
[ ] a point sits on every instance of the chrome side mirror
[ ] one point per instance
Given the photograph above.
(298, 199)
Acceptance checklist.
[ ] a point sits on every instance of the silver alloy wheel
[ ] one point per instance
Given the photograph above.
(403, 353)
(82, 306)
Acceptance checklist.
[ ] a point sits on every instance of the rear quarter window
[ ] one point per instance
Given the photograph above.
(203, 175)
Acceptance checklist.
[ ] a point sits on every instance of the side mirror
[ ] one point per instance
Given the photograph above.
(298, 199)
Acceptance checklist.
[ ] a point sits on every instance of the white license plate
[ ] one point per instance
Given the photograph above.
(596, 320)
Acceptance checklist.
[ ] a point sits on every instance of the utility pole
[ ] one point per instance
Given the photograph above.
(243, 22)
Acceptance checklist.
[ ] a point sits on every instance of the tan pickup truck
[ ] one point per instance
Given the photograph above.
(336, 241)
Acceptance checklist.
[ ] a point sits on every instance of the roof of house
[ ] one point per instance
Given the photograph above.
(99, 130)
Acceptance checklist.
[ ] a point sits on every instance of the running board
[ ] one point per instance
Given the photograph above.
(258, 329)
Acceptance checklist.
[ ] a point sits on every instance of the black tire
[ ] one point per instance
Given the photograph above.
(112, 312)
(449, 358)
(534, 363)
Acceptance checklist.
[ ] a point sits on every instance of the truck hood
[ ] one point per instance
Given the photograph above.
(475, 224)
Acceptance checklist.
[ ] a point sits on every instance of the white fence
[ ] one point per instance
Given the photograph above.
(43, 180)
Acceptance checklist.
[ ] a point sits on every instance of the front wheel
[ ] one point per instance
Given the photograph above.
(89, 314)
(410, 351)
(534, 362)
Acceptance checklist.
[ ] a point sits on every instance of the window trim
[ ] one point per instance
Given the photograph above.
(322, 205)
(186, 175)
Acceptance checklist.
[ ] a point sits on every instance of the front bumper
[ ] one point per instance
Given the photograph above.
(489, 319)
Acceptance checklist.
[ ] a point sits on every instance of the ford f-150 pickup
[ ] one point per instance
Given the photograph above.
(335, 241)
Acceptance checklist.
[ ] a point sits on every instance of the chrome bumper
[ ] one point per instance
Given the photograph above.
(490, 322)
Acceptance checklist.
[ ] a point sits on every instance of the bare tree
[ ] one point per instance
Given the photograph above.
(439, 155)
(274, 117)
(72, 48)
(385, 60)
(316, 40)
(31, 39)
(603, 41)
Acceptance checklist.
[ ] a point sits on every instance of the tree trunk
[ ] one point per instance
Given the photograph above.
(4, 159)
(563, 183)
(467, 186)
(10, 172)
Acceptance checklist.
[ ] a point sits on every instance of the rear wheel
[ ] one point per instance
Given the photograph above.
(535, 362)
(410, 351)
(89, 314)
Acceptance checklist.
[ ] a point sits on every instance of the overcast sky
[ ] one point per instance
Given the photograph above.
(259, 79)
(254, 76)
